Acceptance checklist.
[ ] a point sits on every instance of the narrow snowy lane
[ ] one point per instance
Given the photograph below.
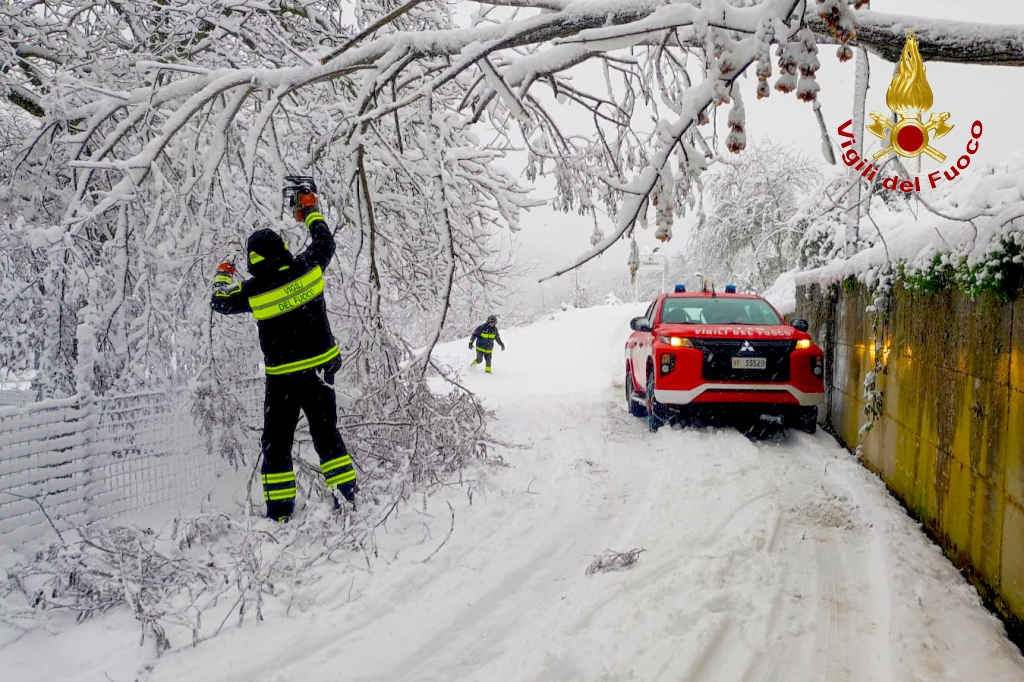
(770, 561)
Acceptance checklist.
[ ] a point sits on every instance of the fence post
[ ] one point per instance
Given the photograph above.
(89, 414)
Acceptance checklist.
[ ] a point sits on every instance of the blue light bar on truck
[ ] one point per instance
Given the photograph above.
(680, 288)
(730, 288)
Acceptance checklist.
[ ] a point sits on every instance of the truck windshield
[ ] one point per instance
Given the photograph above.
(720, 310)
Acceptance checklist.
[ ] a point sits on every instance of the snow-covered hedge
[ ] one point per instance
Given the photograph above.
(970, 238)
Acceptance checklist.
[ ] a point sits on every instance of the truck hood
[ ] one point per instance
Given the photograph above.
(732, 331)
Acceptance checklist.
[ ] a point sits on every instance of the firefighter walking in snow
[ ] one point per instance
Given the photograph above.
(485, 335)
(285, 295)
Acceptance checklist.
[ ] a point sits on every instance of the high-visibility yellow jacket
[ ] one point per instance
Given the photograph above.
(286, 296)
(485, 335)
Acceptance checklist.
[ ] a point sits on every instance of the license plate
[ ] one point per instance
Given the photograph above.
(750, 363)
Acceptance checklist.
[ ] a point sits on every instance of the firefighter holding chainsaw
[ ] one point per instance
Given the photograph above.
(285, 295)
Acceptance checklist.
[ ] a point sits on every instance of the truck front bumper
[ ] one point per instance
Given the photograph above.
(739, 393)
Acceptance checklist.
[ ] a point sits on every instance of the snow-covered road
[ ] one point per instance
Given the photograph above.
(780, 560)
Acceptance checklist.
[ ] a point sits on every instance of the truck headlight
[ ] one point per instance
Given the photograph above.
(677, 341)
(803, 343)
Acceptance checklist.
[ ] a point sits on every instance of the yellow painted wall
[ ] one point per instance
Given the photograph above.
(950, 440)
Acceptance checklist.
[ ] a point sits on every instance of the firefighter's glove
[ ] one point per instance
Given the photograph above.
(305, 203)
(223, 281)
(471, 345)
(503, 346)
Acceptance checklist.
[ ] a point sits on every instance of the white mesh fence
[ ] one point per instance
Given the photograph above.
(12, 397)
(87, 462)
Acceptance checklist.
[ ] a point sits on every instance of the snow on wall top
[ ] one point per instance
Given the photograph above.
(967, 221)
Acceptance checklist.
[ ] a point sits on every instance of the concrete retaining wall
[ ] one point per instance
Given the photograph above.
(949, 441)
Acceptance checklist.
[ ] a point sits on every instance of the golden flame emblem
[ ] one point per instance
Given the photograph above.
(910, 96)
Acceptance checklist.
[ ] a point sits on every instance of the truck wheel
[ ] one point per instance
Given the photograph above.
(635, 407)
(655, 411)
(805, 419)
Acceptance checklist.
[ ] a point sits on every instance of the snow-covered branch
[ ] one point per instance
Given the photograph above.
(940, 40)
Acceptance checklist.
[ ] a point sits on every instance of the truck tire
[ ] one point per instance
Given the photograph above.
(655, 411)
(635, 407)
(805, 419)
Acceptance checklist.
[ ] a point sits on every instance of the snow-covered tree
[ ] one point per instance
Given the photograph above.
(146, 191)
(159, 147)
(745, 234)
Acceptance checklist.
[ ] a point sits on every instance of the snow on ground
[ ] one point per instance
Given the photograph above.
(780, 560)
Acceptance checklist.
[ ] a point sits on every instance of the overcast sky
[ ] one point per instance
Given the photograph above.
(993, 94)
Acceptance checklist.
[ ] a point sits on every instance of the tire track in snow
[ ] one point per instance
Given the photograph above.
(782, 655)
(843, 609)
(752, 526)
(571, 535)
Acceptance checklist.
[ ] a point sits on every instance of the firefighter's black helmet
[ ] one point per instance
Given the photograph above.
(492, 319)
(267, 252)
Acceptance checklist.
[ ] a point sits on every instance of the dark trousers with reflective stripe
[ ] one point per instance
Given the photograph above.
(483, 355)
(311, 391)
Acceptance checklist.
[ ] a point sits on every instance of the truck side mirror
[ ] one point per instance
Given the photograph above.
(801, 325)
(640, 324)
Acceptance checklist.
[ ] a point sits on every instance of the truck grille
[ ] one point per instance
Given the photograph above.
(718, 355)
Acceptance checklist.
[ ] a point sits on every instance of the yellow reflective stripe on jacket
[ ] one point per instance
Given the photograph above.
(487, 336)
(291, 303)
(484, 350)
(300, 365)
(316, 215)
(287, 290)
(288, 297)
(279, 478)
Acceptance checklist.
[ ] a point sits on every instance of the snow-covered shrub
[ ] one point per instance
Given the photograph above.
(968, 236)
(1000, 271)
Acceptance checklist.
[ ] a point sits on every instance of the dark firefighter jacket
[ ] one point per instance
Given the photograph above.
(286, 296)
(485, 336)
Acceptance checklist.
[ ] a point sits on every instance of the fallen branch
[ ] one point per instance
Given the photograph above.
(614, 561)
